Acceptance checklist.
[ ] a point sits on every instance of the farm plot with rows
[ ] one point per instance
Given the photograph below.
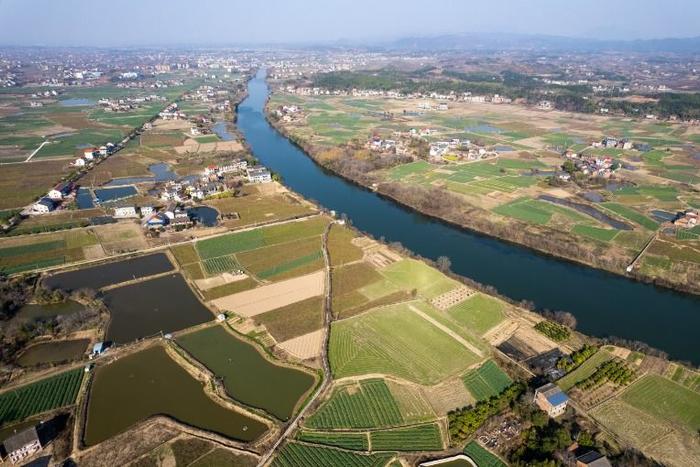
(665, 399)
(46, 394)
(27, 253)
(478, 313)
(633, 215)
(214, 266)
(296, 454)
(482, 456)
(413, 438)
(586, 369)
(411, 274)
(486, 381)
(353, 441)
(367, 404)
(257, 238)
(395, 340)
(284, 260)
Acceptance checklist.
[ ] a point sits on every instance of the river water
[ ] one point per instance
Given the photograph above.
(604, 304)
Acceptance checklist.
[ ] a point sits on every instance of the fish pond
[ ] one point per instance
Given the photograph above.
(150, 383)
(84, 199)
(37, 311)
(106, 195)
(161, 173)
(165, 304)
(96, 277)
(75, 102)
(53, 352)
(249, 377)
(204, 215)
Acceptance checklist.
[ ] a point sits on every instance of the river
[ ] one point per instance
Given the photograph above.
(604, 304)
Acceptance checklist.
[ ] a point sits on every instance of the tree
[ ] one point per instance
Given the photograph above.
(569, 167)
(444, 263)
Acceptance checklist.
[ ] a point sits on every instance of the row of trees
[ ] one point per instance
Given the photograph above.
(615, 371)
(576, 359)
(464, 422)
(555, 331)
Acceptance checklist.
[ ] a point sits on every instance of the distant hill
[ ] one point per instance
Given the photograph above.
(490, 41)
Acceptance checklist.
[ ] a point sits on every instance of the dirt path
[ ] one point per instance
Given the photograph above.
(447, 331)
(35, 151)
(326, 381)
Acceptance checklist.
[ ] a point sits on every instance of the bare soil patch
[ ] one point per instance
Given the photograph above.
(266, 298)
(306, 346)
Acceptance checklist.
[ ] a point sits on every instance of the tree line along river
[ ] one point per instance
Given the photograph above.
(604, 304)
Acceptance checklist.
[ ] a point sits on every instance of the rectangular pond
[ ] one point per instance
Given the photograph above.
(249, 377)
(96, 277)
(106, 195)
(53, 352)
(150, 383)
(165, 304)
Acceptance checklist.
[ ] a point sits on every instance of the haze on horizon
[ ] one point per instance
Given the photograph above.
(220, 22)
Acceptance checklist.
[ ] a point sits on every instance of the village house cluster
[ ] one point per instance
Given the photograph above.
(288, 113)
(126, 104)
(441, 98)
(172, 112)
(591, 165)
(686, 219)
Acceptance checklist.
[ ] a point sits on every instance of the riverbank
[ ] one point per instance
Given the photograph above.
(451, 209)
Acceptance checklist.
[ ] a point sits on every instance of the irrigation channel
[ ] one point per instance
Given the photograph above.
(604, 304)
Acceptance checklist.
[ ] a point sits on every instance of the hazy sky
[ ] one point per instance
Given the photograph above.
(202, 22)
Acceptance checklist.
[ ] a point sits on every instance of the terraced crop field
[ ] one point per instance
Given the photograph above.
(296, 454)
(665, 399)
(395, 340)
(46, 394)
(415, 438)
(353, 441)
(486, 381)
(367, 404)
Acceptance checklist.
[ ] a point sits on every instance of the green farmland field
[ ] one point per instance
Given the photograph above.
(631, 214)
(414, 438)
(214, 266)
(295, 454)
(410, 274)
(665, 399)
(252, 239)
(478, 313)
(369, 404)
(482, 456)
(46, 394)
(523, 209)
(353, 441)
(596, 233)
(486, 381)
(585, 370)
(395, 340)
